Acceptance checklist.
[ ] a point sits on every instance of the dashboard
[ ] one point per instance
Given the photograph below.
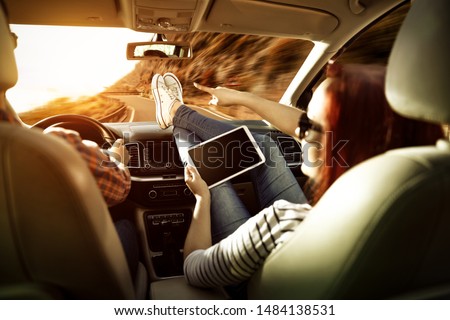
(155, 165)
(160, 202)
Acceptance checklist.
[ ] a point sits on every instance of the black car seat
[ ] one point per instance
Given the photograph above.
(57, 239)
(383, 229)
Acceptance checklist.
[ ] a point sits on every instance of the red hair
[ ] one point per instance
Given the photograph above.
(359, 123)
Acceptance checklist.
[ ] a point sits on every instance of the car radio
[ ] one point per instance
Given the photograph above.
(147, 190)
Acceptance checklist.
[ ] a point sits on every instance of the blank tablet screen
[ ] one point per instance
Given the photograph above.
(226, 156)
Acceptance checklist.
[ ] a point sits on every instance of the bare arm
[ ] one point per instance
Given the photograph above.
(199, 233)
(284, 117)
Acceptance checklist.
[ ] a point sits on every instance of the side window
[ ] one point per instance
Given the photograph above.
(374, 44)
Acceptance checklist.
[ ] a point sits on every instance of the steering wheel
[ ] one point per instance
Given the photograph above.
(88, 128)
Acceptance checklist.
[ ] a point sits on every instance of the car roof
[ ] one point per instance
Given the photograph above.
(316, 20)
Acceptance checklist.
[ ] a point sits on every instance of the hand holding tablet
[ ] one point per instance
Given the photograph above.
(226, 156)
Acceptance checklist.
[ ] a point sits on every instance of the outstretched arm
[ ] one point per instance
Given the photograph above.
(284, 117)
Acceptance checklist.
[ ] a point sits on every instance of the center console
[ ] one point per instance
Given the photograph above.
(163, 213)
(166, 232)
(163, 202)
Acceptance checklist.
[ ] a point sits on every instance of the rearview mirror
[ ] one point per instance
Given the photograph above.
(159, 50)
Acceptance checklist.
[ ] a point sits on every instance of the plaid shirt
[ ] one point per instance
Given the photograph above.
(112, 177)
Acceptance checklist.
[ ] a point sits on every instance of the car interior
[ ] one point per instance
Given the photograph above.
(380, 232)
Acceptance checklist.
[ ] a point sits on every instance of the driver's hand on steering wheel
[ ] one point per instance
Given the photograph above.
(119, 152)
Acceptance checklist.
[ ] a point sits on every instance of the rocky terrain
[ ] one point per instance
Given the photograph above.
(262, 65)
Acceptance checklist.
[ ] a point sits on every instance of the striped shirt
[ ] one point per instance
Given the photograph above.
(112, 177)
(237, 257)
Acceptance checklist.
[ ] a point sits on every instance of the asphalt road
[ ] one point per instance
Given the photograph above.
(144, 108)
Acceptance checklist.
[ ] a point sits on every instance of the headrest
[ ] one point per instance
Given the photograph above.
(8, 68)
(418, 70)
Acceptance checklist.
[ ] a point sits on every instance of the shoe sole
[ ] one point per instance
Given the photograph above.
(159, 118)
(174, 77)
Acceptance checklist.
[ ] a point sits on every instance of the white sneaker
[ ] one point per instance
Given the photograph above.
(164, 100)
(174, 85)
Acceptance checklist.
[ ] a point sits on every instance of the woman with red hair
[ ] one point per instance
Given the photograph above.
(357, 123)
(348, 121)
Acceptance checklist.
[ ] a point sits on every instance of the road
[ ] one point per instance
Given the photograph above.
(145, 108)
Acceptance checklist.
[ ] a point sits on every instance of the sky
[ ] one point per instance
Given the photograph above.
(68, 62)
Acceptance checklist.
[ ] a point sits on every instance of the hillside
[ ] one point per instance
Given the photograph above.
(262, 65)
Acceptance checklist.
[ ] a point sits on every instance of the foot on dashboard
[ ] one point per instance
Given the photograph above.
(164, 100)
(174, 85)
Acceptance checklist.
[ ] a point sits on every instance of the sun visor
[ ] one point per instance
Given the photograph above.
(268, 18)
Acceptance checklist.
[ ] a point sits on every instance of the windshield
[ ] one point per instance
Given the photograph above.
(81, 70)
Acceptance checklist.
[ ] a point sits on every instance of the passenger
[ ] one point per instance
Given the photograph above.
(348, 121)
(113, 179)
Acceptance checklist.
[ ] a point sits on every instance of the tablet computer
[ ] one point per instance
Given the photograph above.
(226, 156)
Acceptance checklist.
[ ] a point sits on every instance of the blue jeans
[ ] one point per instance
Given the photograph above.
(272, 181)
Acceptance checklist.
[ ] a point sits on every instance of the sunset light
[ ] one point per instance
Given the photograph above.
(68, 62)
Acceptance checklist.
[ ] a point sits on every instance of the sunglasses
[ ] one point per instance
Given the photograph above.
(306, 124)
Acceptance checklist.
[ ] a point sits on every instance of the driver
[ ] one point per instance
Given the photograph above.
(107, 167)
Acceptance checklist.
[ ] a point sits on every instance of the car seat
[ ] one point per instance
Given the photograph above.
(57, 239)
(383, 229)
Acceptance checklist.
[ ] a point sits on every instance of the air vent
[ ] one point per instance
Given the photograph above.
(134, 153)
